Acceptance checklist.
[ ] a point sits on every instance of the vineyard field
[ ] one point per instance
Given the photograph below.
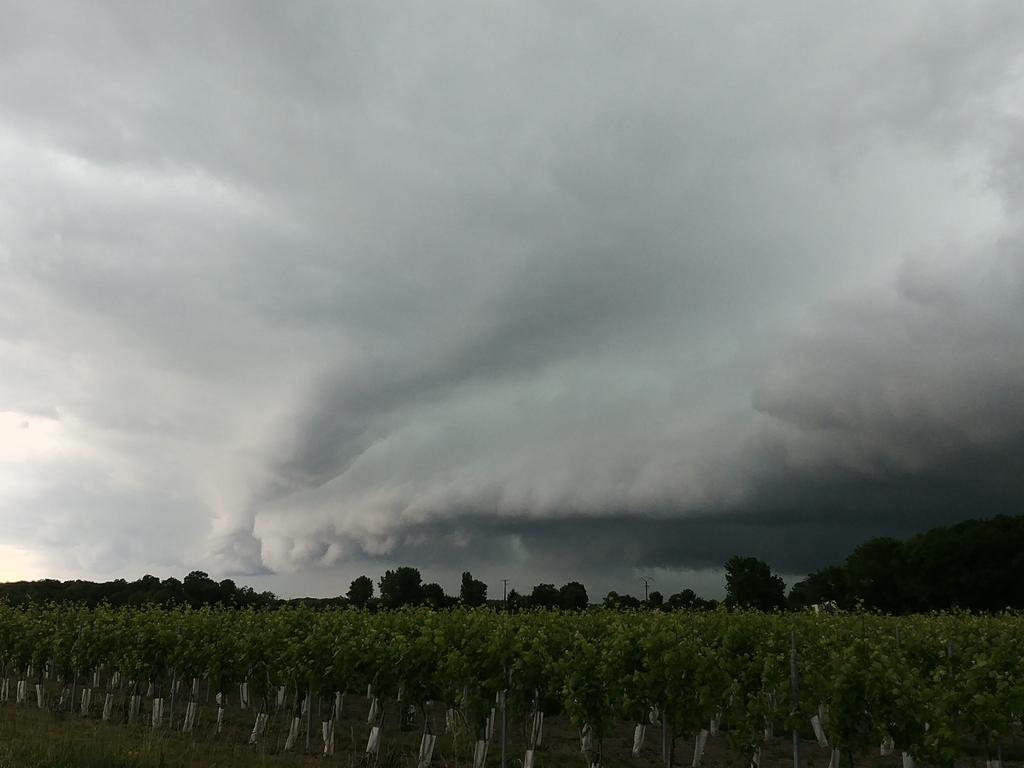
(299, 686)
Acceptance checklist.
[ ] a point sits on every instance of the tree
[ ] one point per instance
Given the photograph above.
(822, 586)
(573, 596)
(402, 586)
(473, 592)
(360, 591)
(614, 600)
(686, 600)
(544, 596)
(876, 574)
(515, 601)
(750, 583)
(433, 595)
(199, 589)
(655, 599)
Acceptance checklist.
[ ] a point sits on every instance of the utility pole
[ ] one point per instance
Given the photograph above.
(504, 592)
(647, 580)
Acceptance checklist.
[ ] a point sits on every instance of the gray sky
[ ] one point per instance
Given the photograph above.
(292, 292)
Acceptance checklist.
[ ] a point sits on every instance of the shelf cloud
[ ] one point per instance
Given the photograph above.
(559, 289)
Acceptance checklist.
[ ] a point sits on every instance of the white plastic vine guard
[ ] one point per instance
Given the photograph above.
(698, 747)
(586, 738)
(834, 760)
(480, 754)
(426, 752)
(908, 760)
(373, 743)
(528, 760)
(327, 729)
(293, 732)
(819, 732)
(258, 727)
(638, 738)
(887, 747)
(537, 729)
(374, 714)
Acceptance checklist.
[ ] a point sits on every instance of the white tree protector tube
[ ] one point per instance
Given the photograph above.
(994, 763)
(134, 703)
(293, 733)
(755, 759)
(190, 717)
(699, 743)
(373, 742)
(480, 754)
(339, 700)
(528, 760)
(254, 736)
(219, 698)
(769, 730)
(638, 739)
(5, 689)
(39, 695)
(96, 678)
(586, 738)
(449, 720)
(195, 687)
(158, 712)
(713, 724)
(327, 727)
(537, 729)
(305, 704)
(887, 747)
(908, 760)
(490, 725)
(20, 699)
(243, 695)
(654, 716)
(108, 706)
(371, 718)
(149, 690)
(426, 752)
(220, 718)
(115, 679)
(834, 760)
(280, 696)
(819, 732)
(369, 690)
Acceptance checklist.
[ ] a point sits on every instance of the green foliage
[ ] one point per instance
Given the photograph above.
(473, 592)
(360, 591)
(750, 583)
(931, 683)
(402, 586)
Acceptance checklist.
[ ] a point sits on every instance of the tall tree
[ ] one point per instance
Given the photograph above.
(876, 574)
(433, 595)
(573, 596)
(473, 592)
(402, 586)
(822, 586)
(544, 596)
(360, 591)
(750, 583)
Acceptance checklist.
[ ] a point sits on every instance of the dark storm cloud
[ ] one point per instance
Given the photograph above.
(634, 284)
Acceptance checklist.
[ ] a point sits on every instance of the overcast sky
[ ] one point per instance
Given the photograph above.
(291, 292)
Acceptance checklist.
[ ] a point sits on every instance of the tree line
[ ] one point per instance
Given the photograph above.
(974, 565)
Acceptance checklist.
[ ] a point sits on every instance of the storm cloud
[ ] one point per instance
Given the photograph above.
(560, 288)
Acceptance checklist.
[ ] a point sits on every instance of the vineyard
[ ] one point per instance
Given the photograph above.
(479, 688)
